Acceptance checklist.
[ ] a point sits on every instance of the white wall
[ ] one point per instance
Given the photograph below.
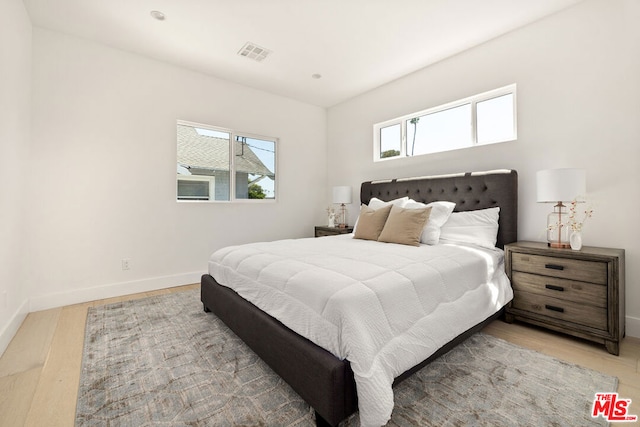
(578, 106)
(15, 82)
(103, 171)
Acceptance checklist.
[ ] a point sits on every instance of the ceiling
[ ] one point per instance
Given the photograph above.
(355, 45)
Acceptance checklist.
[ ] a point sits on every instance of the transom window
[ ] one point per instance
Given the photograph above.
(485, 118)
(217, 164)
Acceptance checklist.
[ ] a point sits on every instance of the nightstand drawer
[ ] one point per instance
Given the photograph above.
(569, 290)
(586, 271)
(563, 310)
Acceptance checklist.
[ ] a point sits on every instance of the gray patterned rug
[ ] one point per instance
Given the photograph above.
(162, 361)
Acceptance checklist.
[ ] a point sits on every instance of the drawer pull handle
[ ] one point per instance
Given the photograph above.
(554, 308)
(554, 288)
(554, 266)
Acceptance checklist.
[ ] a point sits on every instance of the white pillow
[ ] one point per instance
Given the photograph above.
(477, 227)
(440, 212)
(376, 203)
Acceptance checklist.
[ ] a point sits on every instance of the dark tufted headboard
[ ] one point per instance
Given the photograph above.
(469, 191)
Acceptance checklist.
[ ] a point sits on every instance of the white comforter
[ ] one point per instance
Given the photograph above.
(383, 307)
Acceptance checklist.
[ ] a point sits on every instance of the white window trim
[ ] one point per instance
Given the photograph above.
(232, 153)
(473, 100)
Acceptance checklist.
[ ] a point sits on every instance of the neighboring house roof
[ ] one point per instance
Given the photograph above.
(208, 152)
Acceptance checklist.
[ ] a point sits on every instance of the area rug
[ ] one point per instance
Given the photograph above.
(163, 361)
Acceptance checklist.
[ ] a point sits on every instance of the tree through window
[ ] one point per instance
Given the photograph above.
(485, 118)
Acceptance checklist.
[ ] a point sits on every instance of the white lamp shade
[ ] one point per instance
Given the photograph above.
(561, 185)
(342, 194)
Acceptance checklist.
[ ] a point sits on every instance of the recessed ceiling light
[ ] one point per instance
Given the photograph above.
(156, 14)
(253, 51)
(316, 76)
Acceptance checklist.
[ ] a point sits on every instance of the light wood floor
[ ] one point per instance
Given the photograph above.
(40, 370)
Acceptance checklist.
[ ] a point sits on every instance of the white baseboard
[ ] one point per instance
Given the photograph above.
(10, 329)
(76, 296)
(632, 327)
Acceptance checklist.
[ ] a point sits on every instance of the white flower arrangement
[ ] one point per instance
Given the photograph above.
(574, 223)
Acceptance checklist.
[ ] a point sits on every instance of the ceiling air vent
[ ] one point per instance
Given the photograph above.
(253, 51)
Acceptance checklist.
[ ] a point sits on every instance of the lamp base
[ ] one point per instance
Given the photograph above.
(343, 216)
(558, 227)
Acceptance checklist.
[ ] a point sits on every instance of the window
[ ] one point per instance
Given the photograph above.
(486, 118)
(390, 141)
(496, 121)
(216, 164)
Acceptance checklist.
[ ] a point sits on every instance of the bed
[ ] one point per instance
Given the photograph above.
(324, 380)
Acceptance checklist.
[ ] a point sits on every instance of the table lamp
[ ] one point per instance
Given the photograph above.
(342, 195)
(557, 186)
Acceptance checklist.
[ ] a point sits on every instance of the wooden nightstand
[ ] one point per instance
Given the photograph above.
(323, 230)
(580, 293)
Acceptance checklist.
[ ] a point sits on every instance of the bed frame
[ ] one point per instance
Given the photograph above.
(321, 379)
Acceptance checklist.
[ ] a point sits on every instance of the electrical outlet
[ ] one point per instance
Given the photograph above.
(126, 263)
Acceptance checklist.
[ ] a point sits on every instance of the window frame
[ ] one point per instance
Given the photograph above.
(473, 100)
(232, 164)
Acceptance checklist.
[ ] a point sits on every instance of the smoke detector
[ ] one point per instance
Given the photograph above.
(253, 51)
